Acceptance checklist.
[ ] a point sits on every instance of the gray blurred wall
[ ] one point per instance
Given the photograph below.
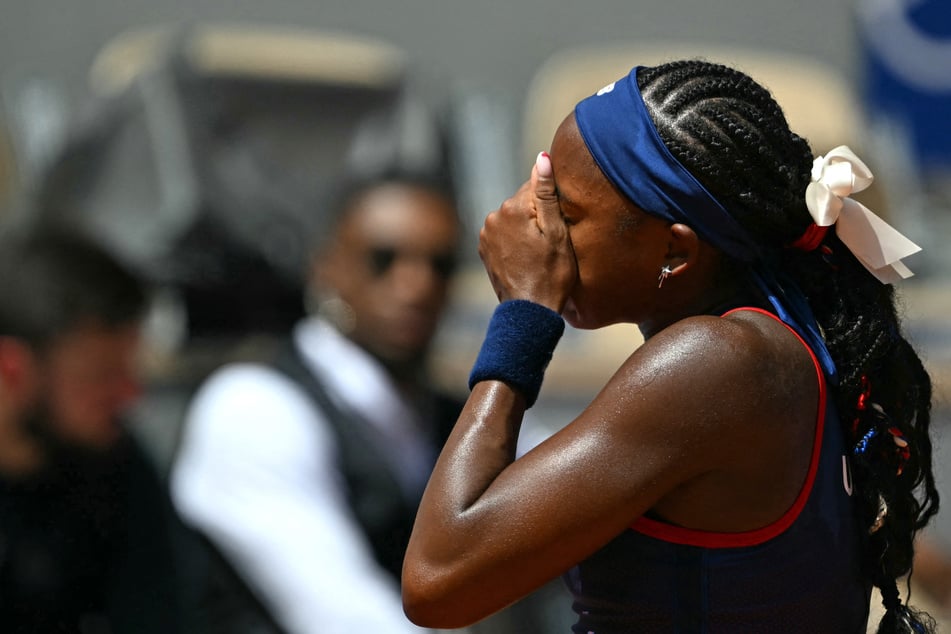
(493, 45)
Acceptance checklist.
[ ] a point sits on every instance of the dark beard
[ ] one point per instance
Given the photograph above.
(65, 459)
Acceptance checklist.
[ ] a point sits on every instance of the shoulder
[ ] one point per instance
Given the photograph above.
(741, 342)
(254, 408)
(248, 388)
(727, 408)
(747, 365)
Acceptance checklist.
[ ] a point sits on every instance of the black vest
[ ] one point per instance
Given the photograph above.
(90, 540)
(375, 496)
(228, 604)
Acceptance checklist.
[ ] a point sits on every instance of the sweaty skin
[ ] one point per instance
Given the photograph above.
(686, 427)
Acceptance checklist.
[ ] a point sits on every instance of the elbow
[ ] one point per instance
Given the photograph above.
(420, 610)
(422, 599)
(428, 602)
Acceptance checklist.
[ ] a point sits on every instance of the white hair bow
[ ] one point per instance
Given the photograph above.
(876, 244)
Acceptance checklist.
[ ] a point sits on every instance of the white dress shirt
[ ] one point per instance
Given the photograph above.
(257, 474)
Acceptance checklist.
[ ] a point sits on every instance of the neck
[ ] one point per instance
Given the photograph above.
(20, 454)
(407, 376)
(711, 297)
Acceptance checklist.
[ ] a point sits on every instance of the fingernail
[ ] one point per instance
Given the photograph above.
(543, 165)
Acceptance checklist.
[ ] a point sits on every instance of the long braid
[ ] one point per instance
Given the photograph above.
(732, 135)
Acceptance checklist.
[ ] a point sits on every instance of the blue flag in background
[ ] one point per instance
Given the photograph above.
(906, 53)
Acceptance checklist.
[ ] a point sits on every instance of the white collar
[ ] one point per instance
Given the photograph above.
(356, 380)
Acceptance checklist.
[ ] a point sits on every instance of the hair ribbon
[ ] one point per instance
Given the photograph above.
(876, 244)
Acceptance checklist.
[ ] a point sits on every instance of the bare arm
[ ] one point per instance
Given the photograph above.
(491, 529)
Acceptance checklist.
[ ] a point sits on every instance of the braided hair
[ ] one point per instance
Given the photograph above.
(730, 133)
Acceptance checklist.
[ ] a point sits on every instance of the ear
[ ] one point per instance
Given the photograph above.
(17, 364)
(683, 249)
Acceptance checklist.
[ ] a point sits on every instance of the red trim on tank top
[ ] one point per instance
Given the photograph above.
(709, 539)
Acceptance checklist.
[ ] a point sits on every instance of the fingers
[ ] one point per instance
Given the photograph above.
(548, 213)
(525, 244)
(543, 166)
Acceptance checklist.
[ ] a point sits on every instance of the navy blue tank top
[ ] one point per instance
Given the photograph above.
(798, 574)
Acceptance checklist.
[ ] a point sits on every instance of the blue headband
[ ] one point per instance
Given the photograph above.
(641, 166)
(621, 136)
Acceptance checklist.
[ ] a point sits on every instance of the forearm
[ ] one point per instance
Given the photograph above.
(481, 446)
(467, 524)
(455, 510)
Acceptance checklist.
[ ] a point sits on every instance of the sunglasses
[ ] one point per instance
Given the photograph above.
(382, 259)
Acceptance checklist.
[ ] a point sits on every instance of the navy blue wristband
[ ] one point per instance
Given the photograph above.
(521, 338)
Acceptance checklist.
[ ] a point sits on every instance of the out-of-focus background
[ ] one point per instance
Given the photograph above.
(197, 140)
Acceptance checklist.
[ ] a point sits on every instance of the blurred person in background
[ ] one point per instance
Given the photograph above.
(87, 531)
(304, 470)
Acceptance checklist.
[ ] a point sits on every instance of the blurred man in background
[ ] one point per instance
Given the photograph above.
(304, 471)
(86, 530)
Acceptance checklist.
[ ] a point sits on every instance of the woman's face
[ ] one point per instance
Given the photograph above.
(619, 248)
